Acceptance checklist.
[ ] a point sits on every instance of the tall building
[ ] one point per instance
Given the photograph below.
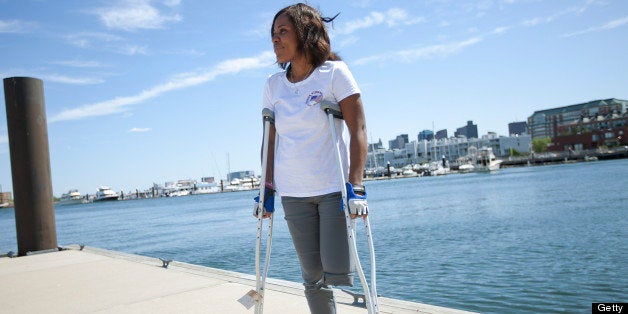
(427, 135)
(517, 128)
(399, 142)
(546, 123)
(376, 146)
(469, 131)
(441, 134)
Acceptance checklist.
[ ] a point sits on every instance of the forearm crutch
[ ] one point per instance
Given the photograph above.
(257, 295)
(370, 292)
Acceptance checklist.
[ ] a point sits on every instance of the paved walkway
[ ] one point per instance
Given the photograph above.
(100, 281)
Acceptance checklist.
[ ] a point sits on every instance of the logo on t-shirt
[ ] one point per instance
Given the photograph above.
(314, 98)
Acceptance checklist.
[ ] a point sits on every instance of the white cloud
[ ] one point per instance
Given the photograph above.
(184, 80)
(375, 18)
(15, 26)
(500, 30)
(615, 23)
(573, 10)
(79, 64)
(133, 50)
(347, 41)
(51, 77)
(436, 50)
(534, 21)
(134, 15)
(398, 16)
(392, 18)
(172, 3)
(373, 59)
(87, 39)
(105, 41)
(608, 26)
(71, 80)
(133, 130)
(186, 52)
(410, 55)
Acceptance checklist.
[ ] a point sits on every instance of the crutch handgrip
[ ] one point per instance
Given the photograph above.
(268, 115)
(331, 108)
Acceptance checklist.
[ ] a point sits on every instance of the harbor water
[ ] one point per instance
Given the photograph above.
(543, 239)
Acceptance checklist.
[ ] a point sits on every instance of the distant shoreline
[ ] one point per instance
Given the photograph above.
(535, 160)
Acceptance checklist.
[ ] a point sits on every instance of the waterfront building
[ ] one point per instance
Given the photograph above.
(186, 182)
(469, 131)
(208, 179)
(518, 128)
(601, 131)
(417, 152)
(377, 156)
(546, 123)
(246, 174)
(5, 198)
(179, 183)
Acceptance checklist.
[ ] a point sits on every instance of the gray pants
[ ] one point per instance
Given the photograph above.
(319, 234)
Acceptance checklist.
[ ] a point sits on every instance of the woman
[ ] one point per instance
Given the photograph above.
(304, 168)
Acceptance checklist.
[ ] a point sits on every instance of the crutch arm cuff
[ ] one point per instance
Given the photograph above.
(355, 191)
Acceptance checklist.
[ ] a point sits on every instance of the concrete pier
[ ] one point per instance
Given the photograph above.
(100, 281)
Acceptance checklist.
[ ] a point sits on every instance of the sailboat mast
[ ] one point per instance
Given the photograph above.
(228, 169)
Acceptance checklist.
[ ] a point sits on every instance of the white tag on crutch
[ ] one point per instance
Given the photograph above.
(249, 299)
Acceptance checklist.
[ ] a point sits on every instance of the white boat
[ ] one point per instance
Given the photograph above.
(377, 172)
(590, 158)
(105, 194)
(437, 169)
(206, 188)
(486, 161)
(73, 197)
(408, 172)
(242, 184)
(467, 167)
(178, 192)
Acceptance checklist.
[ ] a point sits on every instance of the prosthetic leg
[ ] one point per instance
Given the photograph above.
(370, 292)
(257, 296)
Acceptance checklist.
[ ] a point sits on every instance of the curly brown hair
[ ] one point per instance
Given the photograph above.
(312, 37)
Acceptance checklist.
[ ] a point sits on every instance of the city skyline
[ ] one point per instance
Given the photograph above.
(141, 91)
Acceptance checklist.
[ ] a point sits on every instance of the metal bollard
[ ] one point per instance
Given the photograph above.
(30, 164)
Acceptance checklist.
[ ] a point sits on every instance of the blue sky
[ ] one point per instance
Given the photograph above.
(150, 91)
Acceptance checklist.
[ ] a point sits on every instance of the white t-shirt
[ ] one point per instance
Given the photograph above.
(305, 164)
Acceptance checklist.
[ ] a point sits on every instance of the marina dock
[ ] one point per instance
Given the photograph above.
(91, 280)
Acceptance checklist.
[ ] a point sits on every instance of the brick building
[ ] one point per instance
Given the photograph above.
(582, 126)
